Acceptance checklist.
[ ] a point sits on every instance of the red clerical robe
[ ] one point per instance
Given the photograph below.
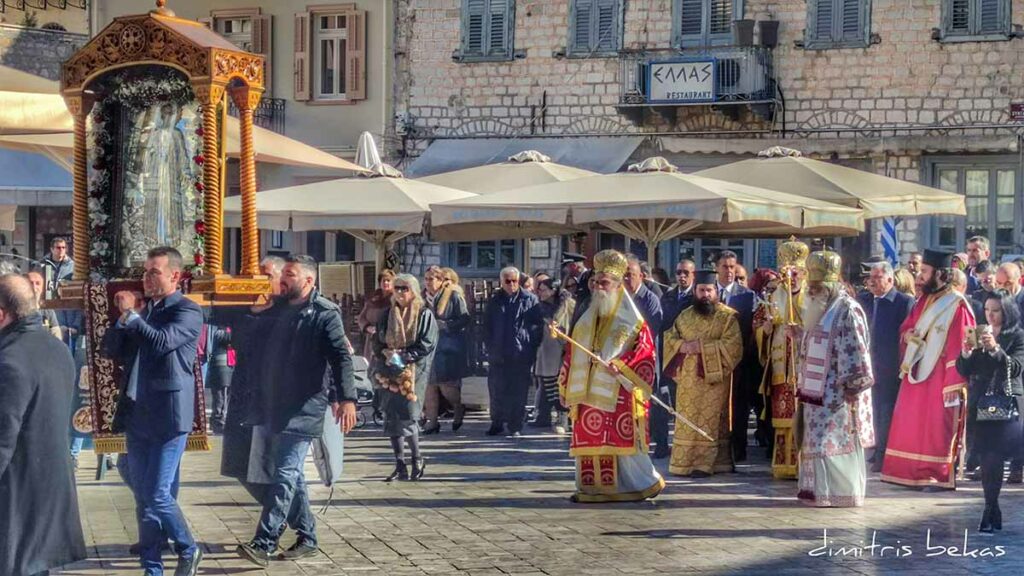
(610, 436)
(928, 421)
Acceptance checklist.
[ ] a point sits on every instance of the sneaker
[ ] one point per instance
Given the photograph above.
(189, 565)
(300, 549)
(253, 553)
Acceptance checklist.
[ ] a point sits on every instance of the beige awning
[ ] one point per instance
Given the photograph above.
(651, 203)
(30, 104)
(271, 148)
(879, 196)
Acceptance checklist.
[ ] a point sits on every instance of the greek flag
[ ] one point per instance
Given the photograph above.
(889, 240)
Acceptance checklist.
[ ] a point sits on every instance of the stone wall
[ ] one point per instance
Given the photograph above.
(892, 89)
(39, 52)
(906, 79)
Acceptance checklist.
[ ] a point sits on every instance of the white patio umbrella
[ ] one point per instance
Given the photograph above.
(786, 170)
(652, 202)
(31, 104)
(529, 168)
(380, 208)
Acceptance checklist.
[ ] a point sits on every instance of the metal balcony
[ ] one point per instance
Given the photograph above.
(269, 113)
(742, 75)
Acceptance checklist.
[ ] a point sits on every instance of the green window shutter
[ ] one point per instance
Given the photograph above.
(497, 28)
(473, 17)
(991, 18)
(850, 24)
(581, 26)
(607, 25)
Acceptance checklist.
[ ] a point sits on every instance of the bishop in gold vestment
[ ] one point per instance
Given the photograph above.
(701, 351)
(779, 353)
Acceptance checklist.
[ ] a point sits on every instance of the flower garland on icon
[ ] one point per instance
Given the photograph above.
(133, 91)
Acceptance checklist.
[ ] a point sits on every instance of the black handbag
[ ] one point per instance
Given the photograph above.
(994, 407)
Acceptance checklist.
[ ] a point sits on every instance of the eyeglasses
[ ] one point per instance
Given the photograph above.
(510, 281)
(401, 289)
(682, 272)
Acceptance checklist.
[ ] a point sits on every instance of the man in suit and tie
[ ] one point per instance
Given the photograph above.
(163, 331)
(673, 302)
(886, 308)
(747, 376)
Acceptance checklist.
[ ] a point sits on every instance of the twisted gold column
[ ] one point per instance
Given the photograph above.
(246, 99)
(80, 202)
(211, 97)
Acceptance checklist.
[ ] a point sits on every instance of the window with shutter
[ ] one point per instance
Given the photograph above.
(330, 54)
(974, 20)
(487, 27)
(837, 24)
(705, 22)
(595, 27)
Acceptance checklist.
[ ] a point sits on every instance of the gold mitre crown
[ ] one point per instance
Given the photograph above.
(793, 253)
(611, 262)
(824, 266)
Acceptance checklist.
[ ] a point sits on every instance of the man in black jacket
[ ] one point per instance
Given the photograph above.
(673, 303)
(304, 337)
(39, 524)
(511, 349)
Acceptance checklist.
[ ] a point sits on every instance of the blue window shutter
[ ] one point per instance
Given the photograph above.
(823, 20)
(850, 23)
(689, 19)
(473, 27)
(581, 25)
(497, 28)
(991, 18)
(959, 16)
(720, 17)
(607, 25)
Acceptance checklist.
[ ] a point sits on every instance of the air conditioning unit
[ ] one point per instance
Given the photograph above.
(741, 75)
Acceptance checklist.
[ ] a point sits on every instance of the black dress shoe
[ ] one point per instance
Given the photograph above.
(495, 430)
(419, 467)
(401, 472)
(699, 474)
(253, 553)
(432, 430)
(986, 521)
(456, 425)
(189, 566)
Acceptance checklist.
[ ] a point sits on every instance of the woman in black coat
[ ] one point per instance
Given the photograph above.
(444, 298)
(993, 365)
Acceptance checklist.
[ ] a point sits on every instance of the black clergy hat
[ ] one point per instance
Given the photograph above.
(937, 258)
(706, 277)
(570, 257)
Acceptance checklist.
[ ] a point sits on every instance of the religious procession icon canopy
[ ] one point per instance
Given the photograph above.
(148, 99)
(147, 96)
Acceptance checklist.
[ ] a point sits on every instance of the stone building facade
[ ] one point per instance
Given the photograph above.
(921, 90)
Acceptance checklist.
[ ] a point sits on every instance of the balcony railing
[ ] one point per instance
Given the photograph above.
(742, 75)
(269, 113)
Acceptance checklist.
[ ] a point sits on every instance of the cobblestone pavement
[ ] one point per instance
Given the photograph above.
(500, 506)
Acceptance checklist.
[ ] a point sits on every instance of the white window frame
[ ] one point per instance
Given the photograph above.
(340, 36)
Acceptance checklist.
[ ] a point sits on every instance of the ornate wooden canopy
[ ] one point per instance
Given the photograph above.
(215, 68)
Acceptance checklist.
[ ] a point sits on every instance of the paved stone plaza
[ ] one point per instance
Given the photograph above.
(500, 506)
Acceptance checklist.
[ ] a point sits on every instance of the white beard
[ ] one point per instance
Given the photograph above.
(604, 302)
(814, 308)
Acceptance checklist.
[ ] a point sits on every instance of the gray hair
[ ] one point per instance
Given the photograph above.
(885, 267)
(16, 296)
(276, 263)
(508, 271)
(413, 284)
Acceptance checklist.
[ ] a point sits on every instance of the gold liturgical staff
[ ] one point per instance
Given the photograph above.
(210, 69)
